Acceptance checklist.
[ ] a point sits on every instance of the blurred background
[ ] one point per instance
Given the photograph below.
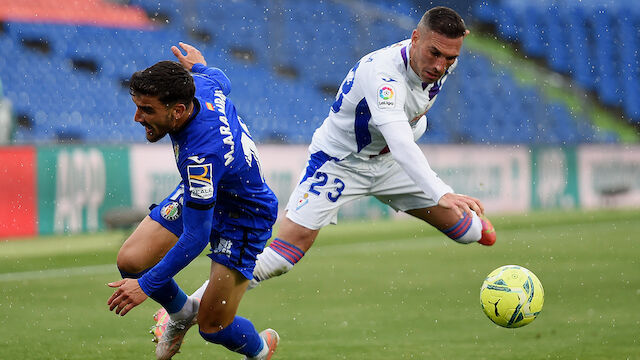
(542, 112)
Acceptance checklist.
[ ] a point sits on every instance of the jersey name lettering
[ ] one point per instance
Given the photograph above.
(220, 101)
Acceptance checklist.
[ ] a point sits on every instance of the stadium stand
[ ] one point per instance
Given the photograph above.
(91, 12)
(285, 58)
(595, 42)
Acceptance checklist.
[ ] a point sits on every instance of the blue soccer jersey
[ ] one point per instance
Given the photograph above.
(225, 200)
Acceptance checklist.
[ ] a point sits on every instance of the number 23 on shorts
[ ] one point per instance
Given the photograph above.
(322, 179)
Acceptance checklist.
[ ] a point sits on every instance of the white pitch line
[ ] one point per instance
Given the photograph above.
(59, 273)
(327, 250)
(73, 271)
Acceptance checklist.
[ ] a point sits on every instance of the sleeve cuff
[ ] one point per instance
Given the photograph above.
(439, 193)
(144, 286)
(198, 67)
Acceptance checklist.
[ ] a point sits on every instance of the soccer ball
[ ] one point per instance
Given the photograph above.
(511, 296)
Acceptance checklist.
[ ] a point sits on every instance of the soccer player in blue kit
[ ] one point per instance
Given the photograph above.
(222, 200)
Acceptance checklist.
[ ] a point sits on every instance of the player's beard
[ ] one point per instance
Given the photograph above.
(157, 132)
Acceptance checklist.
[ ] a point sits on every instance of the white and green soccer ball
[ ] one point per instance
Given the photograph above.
(511, 296)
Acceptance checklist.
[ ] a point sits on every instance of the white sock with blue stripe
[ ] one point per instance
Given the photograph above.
(276, 259)
(466, 230)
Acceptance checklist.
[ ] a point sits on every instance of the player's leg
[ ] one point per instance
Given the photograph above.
(471, 228)
(394, 188)
(141, 251)
(291, 243)
(151, 240)
(217, 319)
(144, 248)
(154, 236)
(325, 185)
(234, 258)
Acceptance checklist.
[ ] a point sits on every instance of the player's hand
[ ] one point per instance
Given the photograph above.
(127, 296)
(194, 56)
(461, 204)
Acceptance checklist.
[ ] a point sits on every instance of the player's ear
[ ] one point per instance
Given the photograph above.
(178, 110)
(415, 35)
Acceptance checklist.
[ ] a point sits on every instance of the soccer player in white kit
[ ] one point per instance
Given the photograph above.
(366, 146)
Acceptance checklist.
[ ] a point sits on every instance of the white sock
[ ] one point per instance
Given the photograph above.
(474, 233)
(270, 264)
(198, 293)
(264, 351)
(189, 308)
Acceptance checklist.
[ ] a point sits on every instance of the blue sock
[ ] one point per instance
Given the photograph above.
(240, 337)
(170, 296)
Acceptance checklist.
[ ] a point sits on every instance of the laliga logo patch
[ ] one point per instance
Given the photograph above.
(200, 183)
(386, 98)
(170, 211)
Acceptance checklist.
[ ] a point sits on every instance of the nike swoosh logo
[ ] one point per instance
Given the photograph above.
(388, 80)
(196, 159)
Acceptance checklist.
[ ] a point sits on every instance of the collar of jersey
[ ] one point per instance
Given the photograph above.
(196, 110)
(413, 78)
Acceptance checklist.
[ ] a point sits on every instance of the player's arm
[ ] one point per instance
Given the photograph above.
(386, 97)
(195, 237)
(216, 75)
(407, 153)
(199, 199)
(399, 138)
(129, 293)
(195, 62)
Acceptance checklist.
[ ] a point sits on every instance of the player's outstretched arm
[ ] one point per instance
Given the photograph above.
(194, 56)
(461, 204)
(128, 295)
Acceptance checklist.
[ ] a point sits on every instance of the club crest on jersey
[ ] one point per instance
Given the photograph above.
(200, 183)
(386, 97)
(170, 211)
(304, 200)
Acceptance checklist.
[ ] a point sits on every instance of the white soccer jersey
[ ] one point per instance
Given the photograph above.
(381, 88)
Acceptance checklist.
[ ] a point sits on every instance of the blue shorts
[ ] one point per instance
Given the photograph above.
(236, 247)
(169, 212)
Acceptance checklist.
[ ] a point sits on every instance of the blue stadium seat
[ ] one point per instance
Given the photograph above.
(321, 40)
(594, 41)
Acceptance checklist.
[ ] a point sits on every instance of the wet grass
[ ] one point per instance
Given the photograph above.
(383, 290)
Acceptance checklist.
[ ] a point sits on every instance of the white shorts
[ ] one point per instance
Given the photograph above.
(328, 183)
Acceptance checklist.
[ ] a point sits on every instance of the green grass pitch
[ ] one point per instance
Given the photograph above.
(366, 290)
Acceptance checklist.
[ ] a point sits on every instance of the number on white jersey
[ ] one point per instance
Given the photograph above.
(345, 88)
(249, 148)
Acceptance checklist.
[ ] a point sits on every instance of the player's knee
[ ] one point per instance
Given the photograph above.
(128, 262)
(213, 321)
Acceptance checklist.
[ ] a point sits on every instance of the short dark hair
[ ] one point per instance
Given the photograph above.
(444, 21)
(167, 80)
